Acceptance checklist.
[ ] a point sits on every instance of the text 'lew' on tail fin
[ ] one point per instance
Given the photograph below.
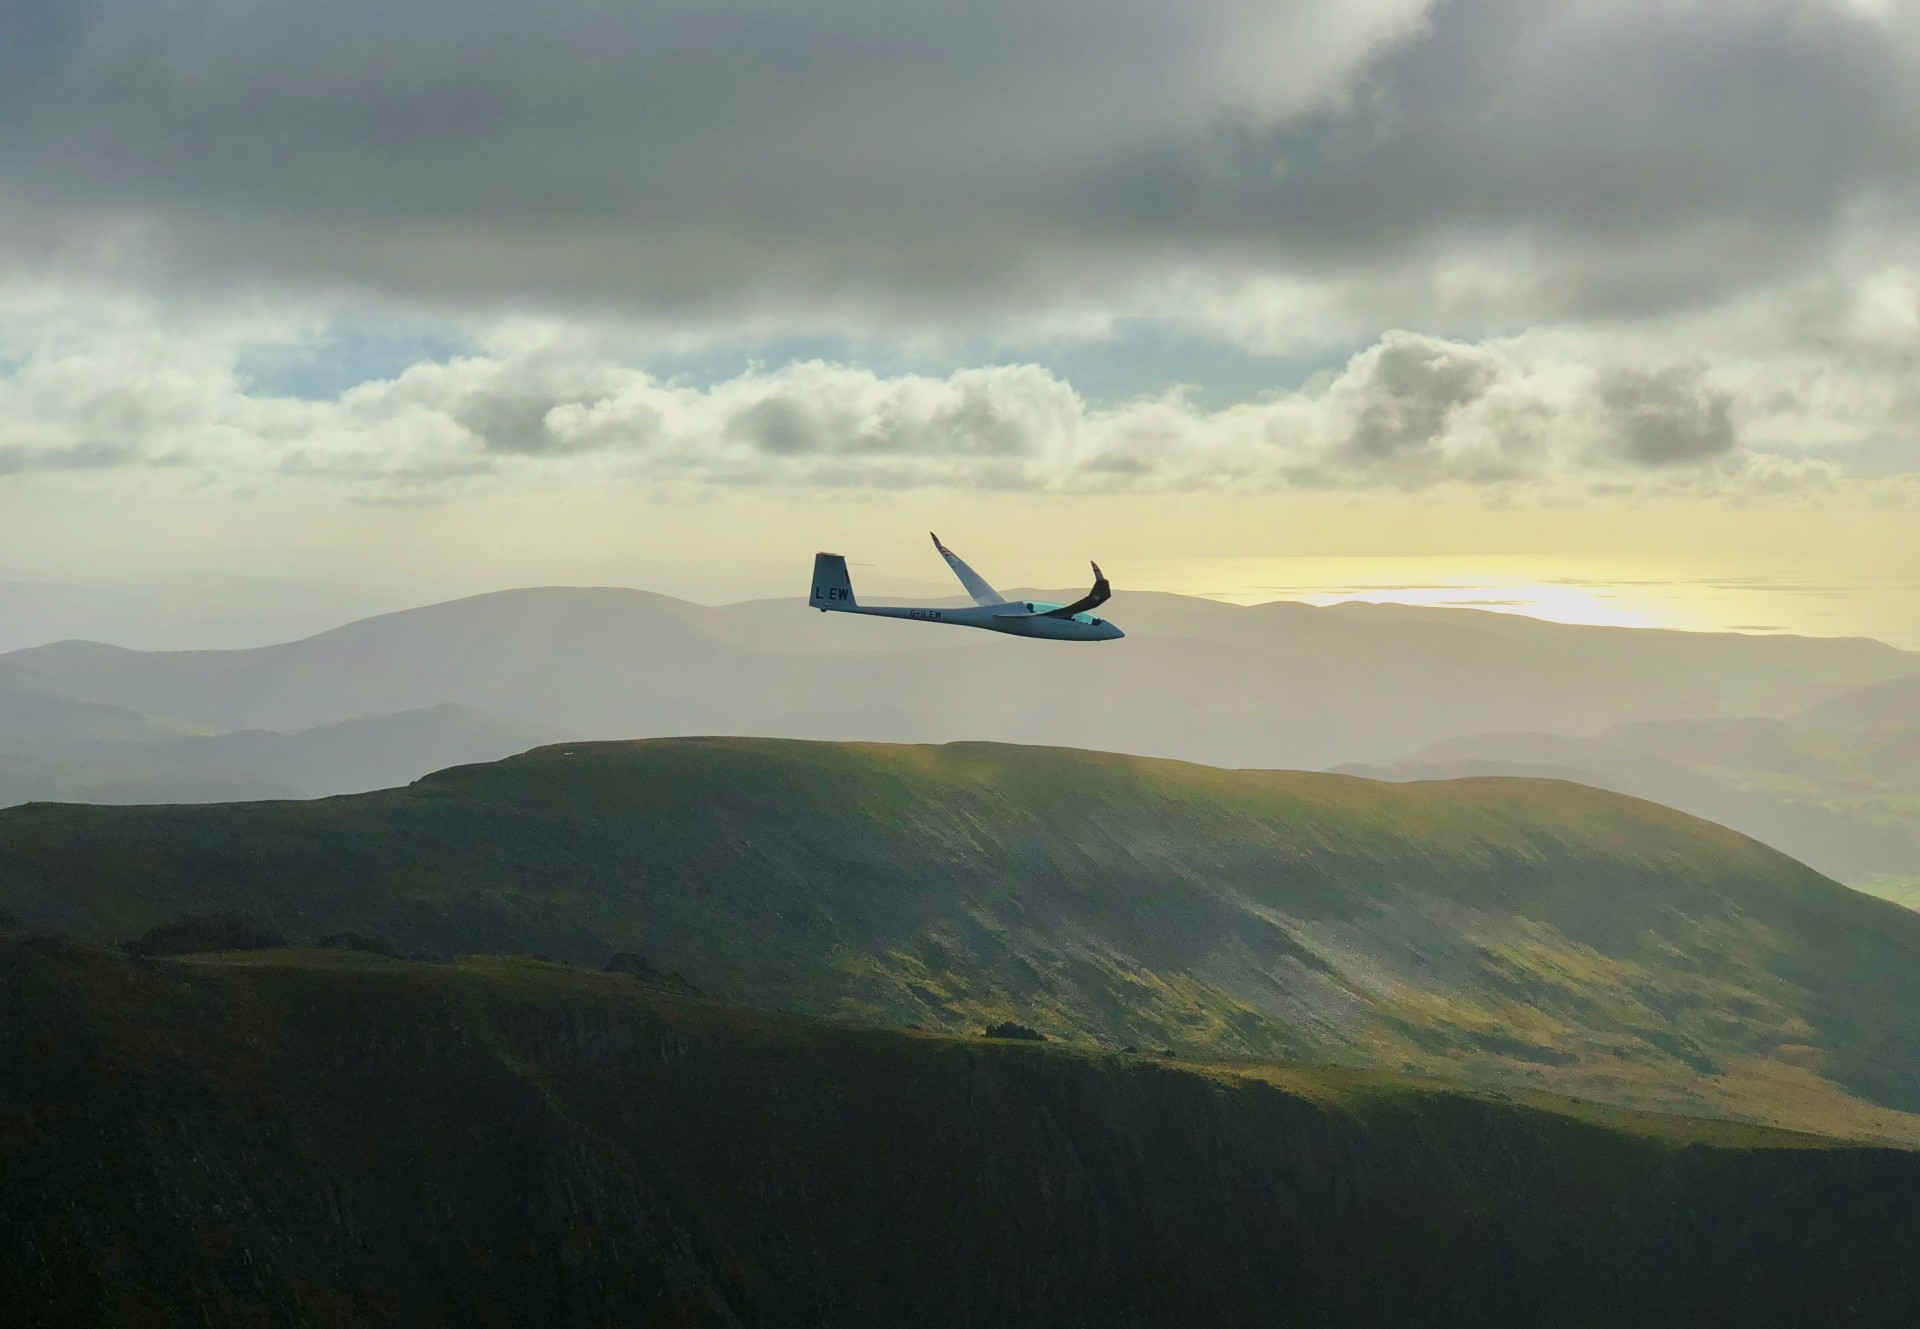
(831, 587)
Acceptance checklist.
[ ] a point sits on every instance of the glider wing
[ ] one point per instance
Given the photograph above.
(1093, 599)
(976, 585)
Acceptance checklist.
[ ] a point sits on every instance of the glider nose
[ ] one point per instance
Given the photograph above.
(1113, 633)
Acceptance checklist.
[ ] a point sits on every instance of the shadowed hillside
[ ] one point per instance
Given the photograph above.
(289, 1137)
(1507, 931)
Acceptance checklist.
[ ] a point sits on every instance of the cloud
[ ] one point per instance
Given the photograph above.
(814, 423)
(71, 457)
(658, 156)
(545, 404)
(1403, 392)
(1587, 159)
(504, 404)
(1459, 165)
(1670, 417)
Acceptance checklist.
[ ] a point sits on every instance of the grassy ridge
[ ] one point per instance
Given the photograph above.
(1523, 933)
(344, 1140)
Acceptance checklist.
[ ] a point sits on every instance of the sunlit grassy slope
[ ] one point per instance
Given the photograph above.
(334, 1140)
(1513, 932)
(1899, 890)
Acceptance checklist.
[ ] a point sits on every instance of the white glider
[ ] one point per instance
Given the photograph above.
(992, 610)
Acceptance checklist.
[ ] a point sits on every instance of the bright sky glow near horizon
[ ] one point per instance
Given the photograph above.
(1604, 313)
(1544, 589)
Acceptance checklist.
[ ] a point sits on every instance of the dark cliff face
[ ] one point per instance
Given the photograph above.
(340, 1139)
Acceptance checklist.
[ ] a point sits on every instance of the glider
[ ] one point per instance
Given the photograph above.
(992, 610)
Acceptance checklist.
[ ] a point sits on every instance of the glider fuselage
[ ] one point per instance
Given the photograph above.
(1020, 618)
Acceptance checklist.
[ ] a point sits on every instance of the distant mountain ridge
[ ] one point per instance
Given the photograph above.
(1509, 932)
(54, 747)
(1844, 798)
(1892, 703)
(178, 612)
(1277, 685)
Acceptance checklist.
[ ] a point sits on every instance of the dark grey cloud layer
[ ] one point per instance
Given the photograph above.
(1670, 417)
(1407, 390)
(68, 457)
(1639, 155)
(855, 158)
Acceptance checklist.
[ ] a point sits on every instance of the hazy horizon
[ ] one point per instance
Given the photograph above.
(182, 612)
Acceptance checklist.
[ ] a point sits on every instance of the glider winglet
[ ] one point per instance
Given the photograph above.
(1093, 599)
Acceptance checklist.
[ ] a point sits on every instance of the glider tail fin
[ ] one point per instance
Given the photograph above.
(831, 587)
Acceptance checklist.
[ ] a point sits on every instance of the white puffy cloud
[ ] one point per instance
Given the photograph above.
(552, 404)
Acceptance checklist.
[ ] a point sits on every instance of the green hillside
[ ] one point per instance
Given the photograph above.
(310, 1138)
(1504, 931)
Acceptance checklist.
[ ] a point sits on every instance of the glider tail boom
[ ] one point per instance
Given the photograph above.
(832, 589)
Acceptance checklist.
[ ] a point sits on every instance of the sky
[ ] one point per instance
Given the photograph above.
(1602, 309)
